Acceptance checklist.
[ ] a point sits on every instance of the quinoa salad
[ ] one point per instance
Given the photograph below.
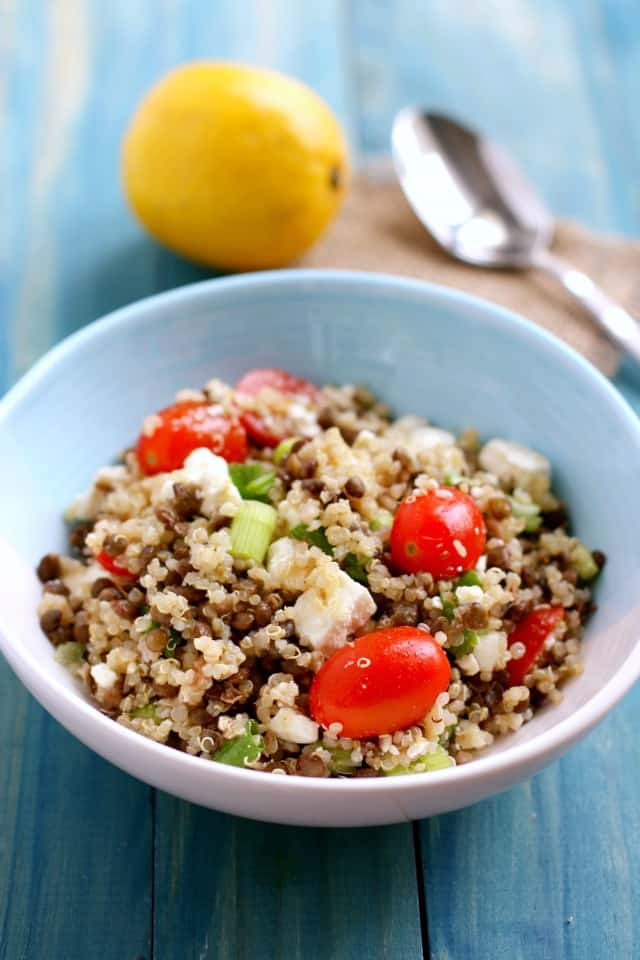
(285, 577)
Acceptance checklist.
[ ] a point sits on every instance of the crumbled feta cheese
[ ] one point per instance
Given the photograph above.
(518, 466)
(103, 675)
(472, 594)
(417, 436)
(332, 607)
(490, 650)
(290, 724)
(210, 475)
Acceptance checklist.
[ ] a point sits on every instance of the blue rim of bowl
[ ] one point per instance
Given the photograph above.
(551, 742)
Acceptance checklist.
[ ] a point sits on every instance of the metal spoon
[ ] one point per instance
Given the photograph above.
(480, 208)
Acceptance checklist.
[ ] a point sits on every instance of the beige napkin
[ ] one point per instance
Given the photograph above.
(378, 231)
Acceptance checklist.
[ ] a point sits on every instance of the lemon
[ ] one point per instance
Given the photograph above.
(234, 166)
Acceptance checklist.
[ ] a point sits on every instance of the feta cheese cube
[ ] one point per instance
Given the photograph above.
(290, 724)
(103, 675)
(490, 650)
(517, 466)
(331, 608)
(210, 475)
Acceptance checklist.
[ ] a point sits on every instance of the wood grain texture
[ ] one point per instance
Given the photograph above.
(231, 889)
(513, 70)
(548, 870)
(75, 843)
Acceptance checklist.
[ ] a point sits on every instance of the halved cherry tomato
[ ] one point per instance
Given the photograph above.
(439, 532)
(259, 432)
(532, 632)
(110, 564)
(252, 383)
(385, 681)
(255, 380)
(183, 428)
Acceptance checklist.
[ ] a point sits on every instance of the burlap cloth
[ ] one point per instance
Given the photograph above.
(377, 230)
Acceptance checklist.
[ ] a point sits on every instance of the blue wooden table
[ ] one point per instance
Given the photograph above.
(96, 865)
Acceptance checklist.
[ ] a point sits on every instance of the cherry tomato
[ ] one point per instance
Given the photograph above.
(255, 380)
(385, 681)
(532, 632)
(183, 428)
(259, 432)
(252, 383)
(439, 532)
(110, 564)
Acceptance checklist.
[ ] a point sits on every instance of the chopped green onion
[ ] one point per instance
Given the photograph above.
(438, 760)
(341, 762)
(470, 579)
(283, 449)
(152, 626)
(467, 645)
(148, 712)
(70, 655)
(452, 479)
(383, 521)
(253, 480)
(317, 538)
(175, 640)
(583, 561)
(448, 609)
(355, 568)
(529, 512)
(252, 529)
(449, 731)
(243, 749)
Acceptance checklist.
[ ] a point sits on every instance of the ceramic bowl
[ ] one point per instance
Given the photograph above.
(426, 350)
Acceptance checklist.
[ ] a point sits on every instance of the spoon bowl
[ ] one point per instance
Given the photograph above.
(480, 207)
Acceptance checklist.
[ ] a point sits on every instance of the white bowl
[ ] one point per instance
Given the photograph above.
(426, 350)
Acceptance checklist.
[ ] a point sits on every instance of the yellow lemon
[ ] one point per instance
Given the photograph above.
(234, 166)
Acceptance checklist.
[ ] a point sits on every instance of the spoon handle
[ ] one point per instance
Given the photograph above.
(619, 325)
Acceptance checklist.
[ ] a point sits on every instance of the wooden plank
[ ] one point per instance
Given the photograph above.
(231, 889)
(75, 843)
(550, 869)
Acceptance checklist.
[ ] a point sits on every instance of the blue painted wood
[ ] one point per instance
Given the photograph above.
(513, 70)
(231, 889)
(75, 843)
(550, 869)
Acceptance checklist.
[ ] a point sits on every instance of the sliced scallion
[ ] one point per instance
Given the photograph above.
(382, 521)
(148, 712)
(70, 655)
(529, 512)
(583, 561)
(283, 449)
(470, 639)
(252, 529)
(243, 749)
